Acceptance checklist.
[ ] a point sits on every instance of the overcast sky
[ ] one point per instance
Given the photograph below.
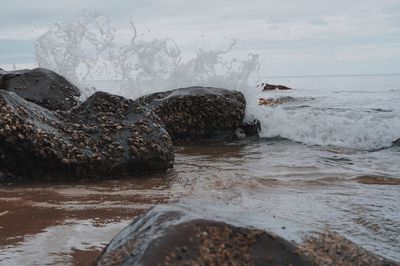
(292, 37)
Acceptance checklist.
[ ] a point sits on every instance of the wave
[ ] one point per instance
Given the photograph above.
(88, 52)
(346, 128)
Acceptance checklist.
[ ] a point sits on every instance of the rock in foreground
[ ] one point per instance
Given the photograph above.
(106, 136)
(167, 236)
(197, 113)
(41, 86)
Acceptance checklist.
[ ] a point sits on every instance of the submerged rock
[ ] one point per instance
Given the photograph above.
(272, 101)
(271, 87)
(168, 236)
(106, 136)
(197, 113)
(377, 180)
(41, 86)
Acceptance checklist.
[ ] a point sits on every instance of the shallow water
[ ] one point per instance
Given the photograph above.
(284, 187)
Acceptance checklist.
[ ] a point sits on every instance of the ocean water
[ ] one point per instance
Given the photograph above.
(355, 112)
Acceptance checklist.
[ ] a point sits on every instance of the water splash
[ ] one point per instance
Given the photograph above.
(89, 53)
(96, 56)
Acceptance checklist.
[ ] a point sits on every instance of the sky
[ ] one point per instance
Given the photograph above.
(292, 37)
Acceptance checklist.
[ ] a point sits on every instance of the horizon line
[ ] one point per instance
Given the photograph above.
(331, 75)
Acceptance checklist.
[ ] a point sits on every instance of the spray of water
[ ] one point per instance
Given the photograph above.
(89, 53)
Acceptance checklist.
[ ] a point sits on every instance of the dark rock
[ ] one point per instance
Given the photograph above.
(197, 113)
(168, 236)
(396, 142)
(106, 136)
(41, 86)
(251, 128)
(271, 87)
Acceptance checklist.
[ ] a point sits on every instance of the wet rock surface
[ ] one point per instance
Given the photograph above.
(167, 235)
(106, 136)
(271, 87)
(172, 237)
(331, 249)
(251, 128)
(41, 86)
(197, 113)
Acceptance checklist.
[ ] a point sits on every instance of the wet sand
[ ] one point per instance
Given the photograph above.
(48, 214)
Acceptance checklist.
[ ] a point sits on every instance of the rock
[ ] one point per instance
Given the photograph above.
(271, 87)
(167, 235)
(251, 128)
(330, 248)
(170, 236)
(377, 180)
(41, 86)
(197, 113)
(396, 142)
(106, 136)
(272, 101)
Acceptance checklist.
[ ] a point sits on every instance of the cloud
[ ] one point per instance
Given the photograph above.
(301, 32)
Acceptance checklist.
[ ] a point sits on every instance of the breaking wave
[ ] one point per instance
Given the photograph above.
(91, 53)
(96, 56)
(348, 129)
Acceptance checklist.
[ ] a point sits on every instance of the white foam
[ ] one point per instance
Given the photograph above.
(349, 129)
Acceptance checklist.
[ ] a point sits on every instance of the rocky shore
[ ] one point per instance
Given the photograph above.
(46, 133)
(105, 136)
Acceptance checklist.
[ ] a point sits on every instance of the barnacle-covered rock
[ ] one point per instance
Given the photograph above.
(106, 136)
(196, 113)
(41, 86)
(169, 236)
